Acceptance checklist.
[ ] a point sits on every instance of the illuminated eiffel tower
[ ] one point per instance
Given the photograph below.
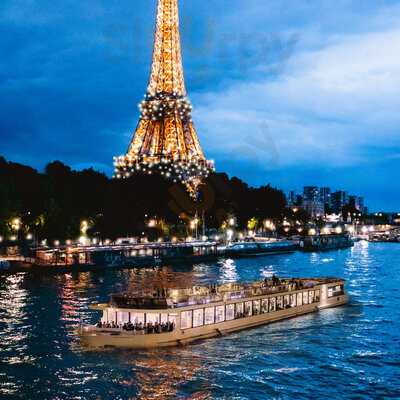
(165, 140)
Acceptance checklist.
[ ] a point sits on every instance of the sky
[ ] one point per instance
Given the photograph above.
(290, 93)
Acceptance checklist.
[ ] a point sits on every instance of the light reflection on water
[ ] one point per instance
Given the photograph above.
(348, 352)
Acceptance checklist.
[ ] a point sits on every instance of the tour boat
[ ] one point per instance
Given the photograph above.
(171, 317)
(252, 249)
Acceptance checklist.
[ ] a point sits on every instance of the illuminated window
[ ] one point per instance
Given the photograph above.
(248, 308)
(122, 317)
(311, 295)
(186, 319)
(239, 310)
(292, 300)
(137, 318)
(256, 307)
(209, 314)
(264, 306)
(198, 317)
(317, 295)
(279, 303)
(220, 314)
(230, 312)
(172, 318)
(164, 318)
(335, 290)
(286, 301)
(153, 318)
(305, 297)
(299, 299)
(272, 304)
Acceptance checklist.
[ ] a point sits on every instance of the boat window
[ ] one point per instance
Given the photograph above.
(164, 318)
(198, 317)
(239, 310)
(292, 300)
(230, 312)
(279, 303)
(248, 308)
(153, 318)
(286, 301)
(136, 318)
(186, 319)
(122, 317)
(256, 307)
(104, 318)
(272, 304)
(311, 295)
(264, 306)
(335, 290)
(220, 314)
(305, 297)
(299, 299)
(172, 318)
(209, 315)
(317, 295)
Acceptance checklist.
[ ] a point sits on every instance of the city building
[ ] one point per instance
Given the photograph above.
(325, 196)
(338, 200)
(319, 201)
(312, 203)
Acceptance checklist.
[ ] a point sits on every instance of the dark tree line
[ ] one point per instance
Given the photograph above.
(52, 204)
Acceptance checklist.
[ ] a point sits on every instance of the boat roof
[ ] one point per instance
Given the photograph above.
(159, 298)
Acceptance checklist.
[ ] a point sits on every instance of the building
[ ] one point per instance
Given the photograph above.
(312, 203)
(325, 196)
(356, 202)
(338, 200)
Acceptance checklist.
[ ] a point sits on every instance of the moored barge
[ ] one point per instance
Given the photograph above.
(326, 242)
(255, 249)
(171, 317)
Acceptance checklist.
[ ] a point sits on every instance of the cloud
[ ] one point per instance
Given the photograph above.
(325, 107)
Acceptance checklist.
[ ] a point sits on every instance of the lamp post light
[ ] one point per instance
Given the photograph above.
(194, 223)
(229, 235)
(312, 232)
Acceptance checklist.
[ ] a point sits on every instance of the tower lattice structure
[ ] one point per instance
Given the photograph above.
(165, 140)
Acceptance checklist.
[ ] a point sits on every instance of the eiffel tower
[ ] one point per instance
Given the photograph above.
(165, 141)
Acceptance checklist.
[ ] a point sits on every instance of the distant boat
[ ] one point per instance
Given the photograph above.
(326, 242)
(246, 249)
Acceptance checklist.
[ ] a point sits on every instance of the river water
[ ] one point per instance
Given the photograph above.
(352, 352)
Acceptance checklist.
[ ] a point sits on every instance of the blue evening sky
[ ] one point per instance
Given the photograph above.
(287, 92)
